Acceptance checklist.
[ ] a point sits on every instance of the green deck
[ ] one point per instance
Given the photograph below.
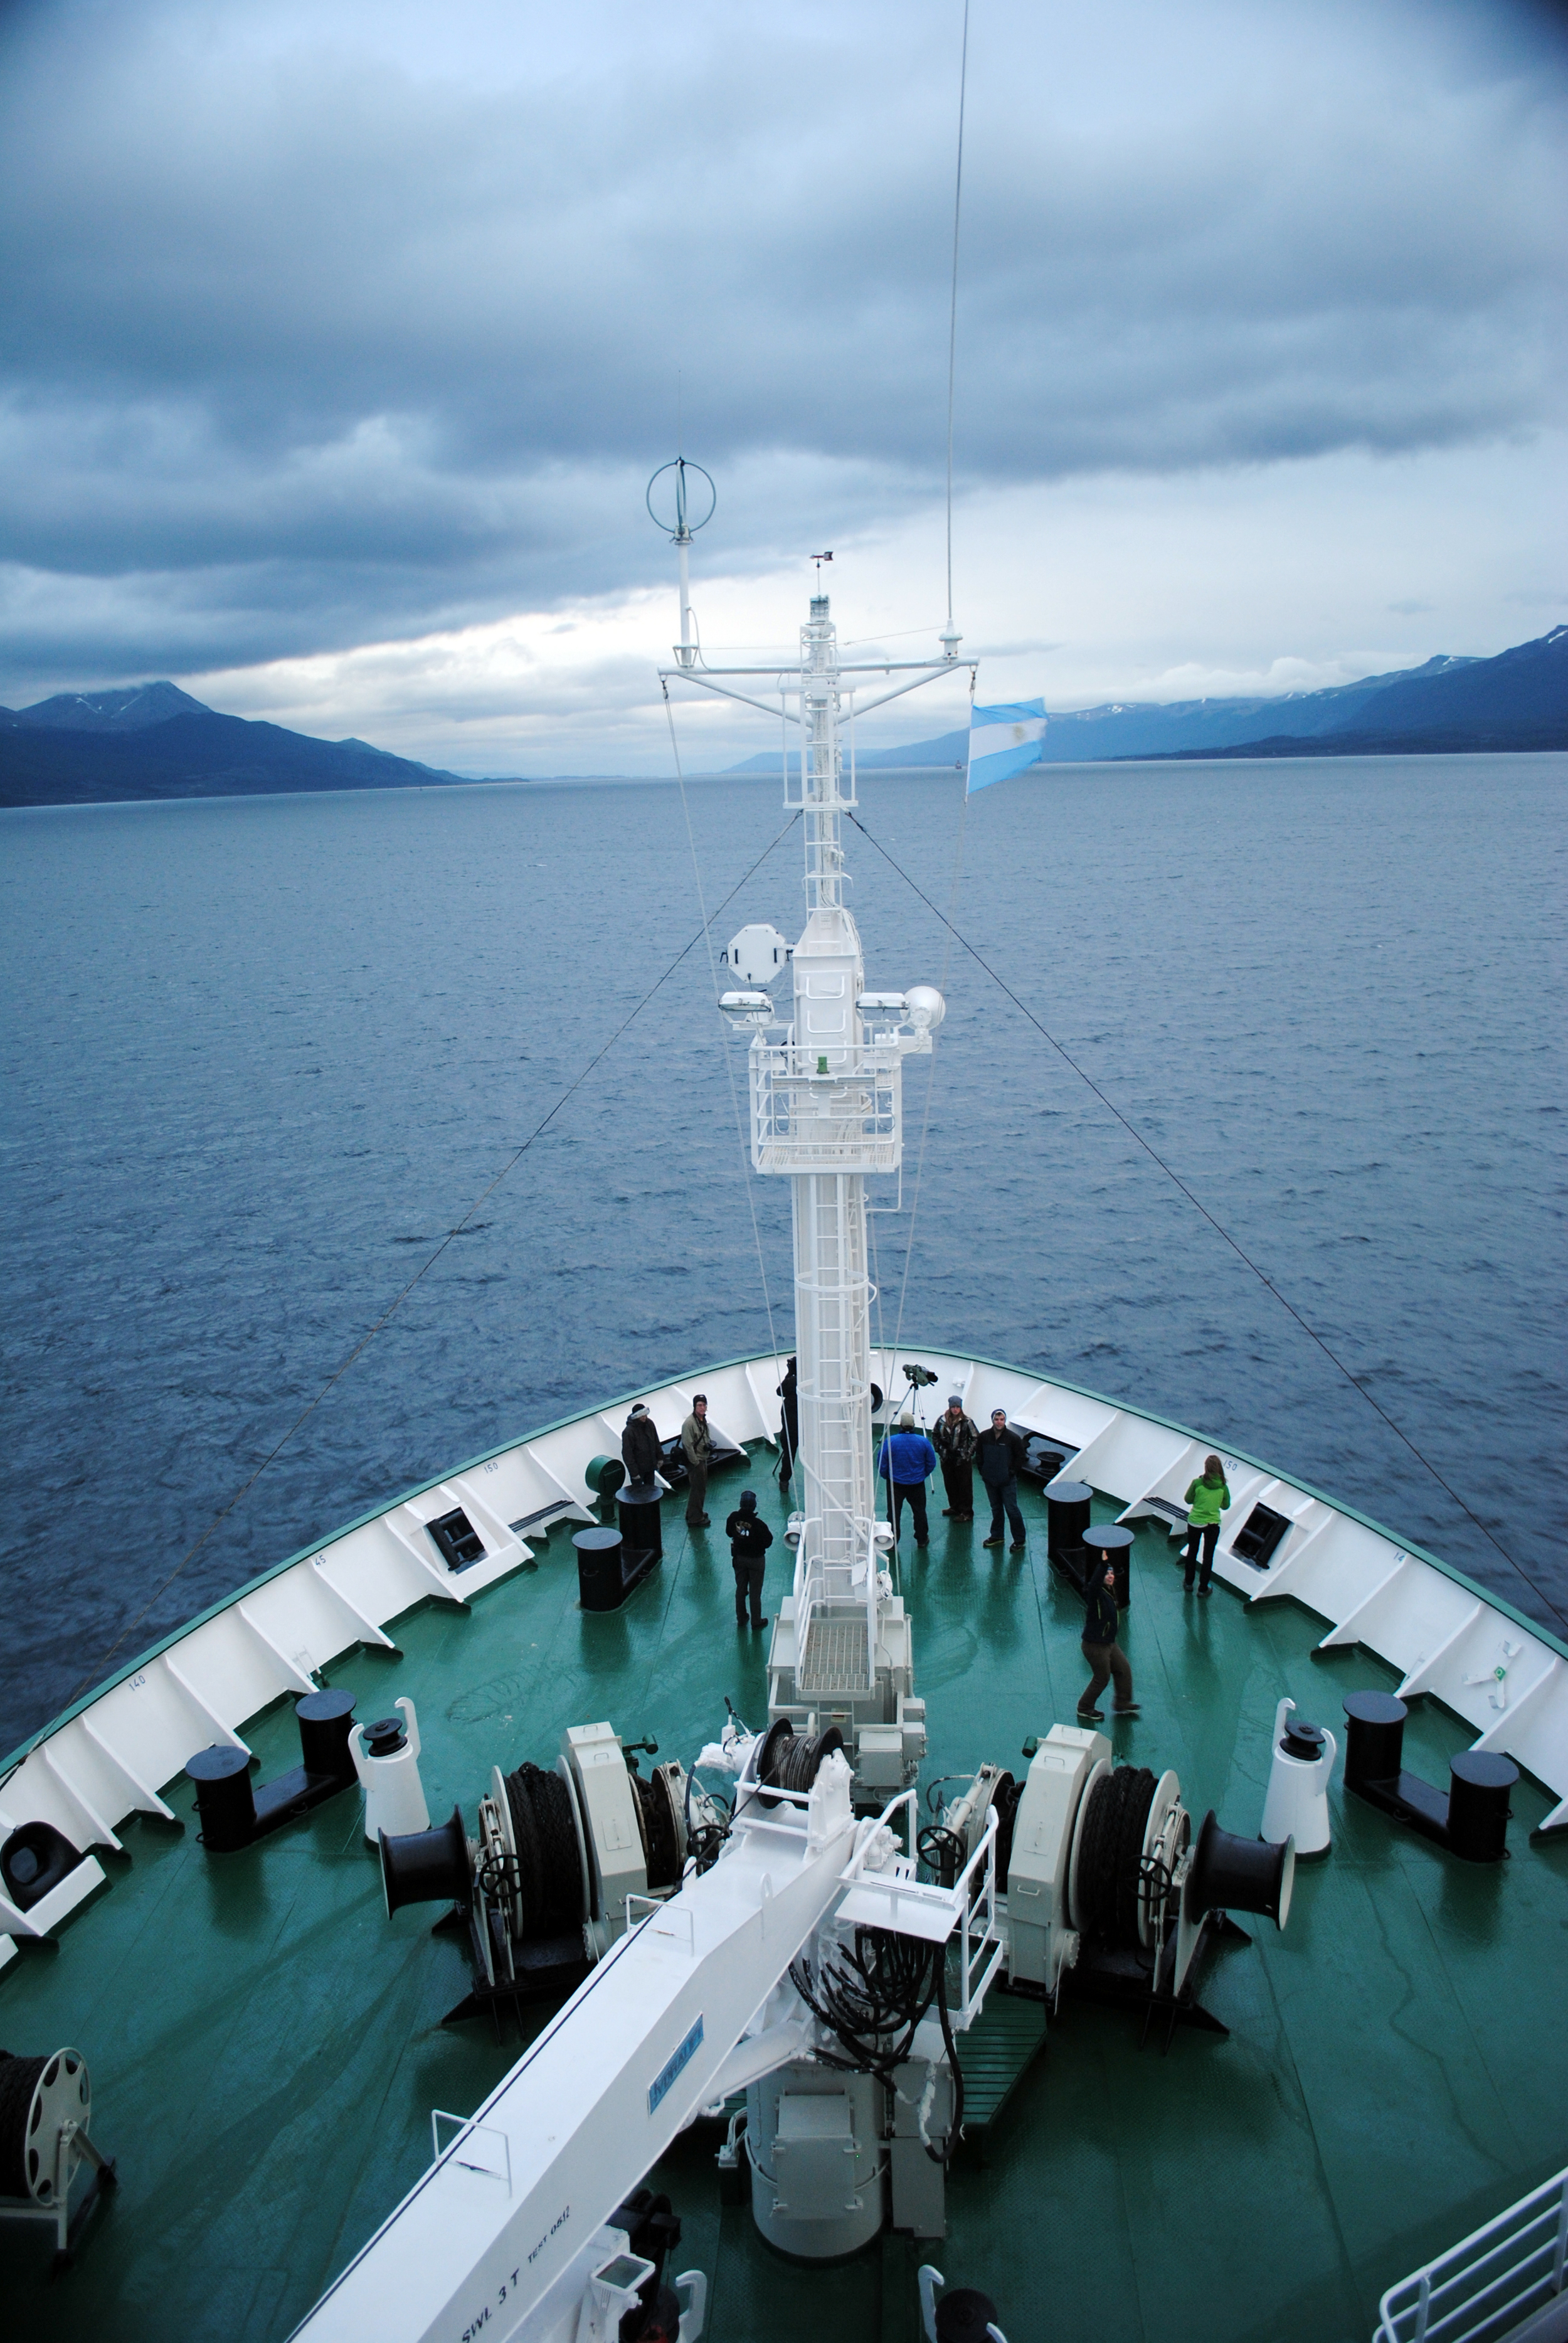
(266, 2047)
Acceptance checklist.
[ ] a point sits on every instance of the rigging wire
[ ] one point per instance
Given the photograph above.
(713, 974)
(425, 1266)
(1175, 1178)
(953, 305)
(931, 1072)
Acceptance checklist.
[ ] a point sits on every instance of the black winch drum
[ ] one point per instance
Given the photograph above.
(225, 1803)
(1240, 1874)
(1374, 1741)
(1066, 1508)
(426, 1866)
(1478, 1788)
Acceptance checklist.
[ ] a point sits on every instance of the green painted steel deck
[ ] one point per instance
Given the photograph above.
(266, 2047)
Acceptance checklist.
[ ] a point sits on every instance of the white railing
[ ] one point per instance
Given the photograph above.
(919, 1908)
(1491, 2282)
(836, 1111)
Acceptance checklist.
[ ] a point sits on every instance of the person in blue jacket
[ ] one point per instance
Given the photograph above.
(907, 1460)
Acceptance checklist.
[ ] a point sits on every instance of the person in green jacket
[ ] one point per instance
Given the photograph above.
(1207, 1499)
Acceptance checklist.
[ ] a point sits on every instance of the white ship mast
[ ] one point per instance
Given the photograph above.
(826, 1114)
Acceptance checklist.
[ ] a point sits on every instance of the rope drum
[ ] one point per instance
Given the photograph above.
(549, 1870)
(661, 1835)
(791, 1761)
(1109, 1862)
(36, 2097)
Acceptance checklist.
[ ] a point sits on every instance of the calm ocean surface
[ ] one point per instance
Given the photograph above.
(262, 1053)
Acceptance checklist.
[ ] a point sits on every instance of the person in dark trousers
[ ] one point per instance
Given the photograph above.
(749, 1539)
(1207, 1498)
(998, 1453)
(953, 1436)
(906, 1462)
(697, 1441)
(641, 1449)
(788, 1426)
(1106, 1658)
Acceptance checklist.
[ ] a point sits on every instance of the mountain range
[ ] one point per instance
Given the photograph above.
(153, 740)
(1517, 700)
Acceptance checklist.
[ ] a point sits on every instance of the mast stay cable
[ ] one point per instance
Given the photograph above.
(428, 1264)
(713, 974)
(953, 305)
(1218, 1226)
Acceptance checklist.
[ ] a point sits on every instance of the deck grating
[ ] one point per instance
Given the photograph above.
(835, 1659)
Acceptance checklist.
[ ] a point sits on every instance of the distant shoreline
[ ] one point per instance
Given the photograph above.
(1263, 753)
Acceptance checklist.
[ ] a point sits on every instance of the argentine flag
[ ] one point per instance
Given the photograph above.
(1004, 742)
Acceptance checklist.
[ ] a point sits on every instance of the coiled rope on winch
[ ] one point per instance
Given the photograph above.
(656, 1822)
(791, 1761)
(550, 1864)
(1109, 1860)
(18, 2081)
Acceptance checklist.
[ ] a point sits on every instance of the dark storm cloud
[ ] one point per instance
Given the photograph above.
(306, 341)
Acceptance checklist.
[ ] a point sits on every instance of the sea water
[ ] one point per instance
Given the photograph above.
(264, 1055)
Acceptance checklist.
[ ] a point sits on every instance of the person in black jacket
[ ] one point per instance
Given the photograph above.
(1105, 1655)
(954, 1436)
(749, 1539)
(640, 1446)
(788, 1426)
(998, 1453)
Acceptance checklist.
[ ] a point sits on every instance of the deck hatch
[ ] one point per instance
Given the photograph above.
(456, 1541)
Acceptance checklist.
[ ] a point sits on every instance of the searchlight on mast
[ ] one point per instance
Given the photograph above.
(826, 1114)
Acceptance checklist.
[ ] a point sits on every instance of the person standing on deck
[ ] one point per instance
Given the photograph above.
(1105, 1655)
(788, 1426)
(641, 1449)
(998, 1453)
(697, 1441)
(749, 1539)
(1207, 1498)
(954, 1435)
(906, 1460)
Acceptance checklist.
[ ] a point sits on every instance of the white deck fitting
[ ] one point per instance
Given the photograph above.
(121, 1752)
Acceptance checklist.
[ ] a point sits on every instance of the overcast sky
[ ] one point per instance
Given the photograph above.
(339, 342)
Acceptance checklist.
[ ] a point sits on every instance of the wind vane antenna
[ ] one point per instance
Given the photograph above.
(680, 531)
(952, 638)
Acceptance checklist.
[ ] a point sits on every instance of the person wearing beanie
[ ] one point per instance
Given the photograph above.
(749, 1539)
(641, 1449)
(697, 1441)
(998, 1453)
(953, 1435)
(906, 1463)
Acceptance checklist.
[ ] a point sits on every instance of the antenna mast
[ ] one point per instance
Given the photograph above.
(826, 1114)
(680, 536)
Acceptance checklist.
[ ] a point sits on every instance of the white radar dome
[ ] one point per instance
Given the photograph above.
(924, 1007)
(756, 956)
